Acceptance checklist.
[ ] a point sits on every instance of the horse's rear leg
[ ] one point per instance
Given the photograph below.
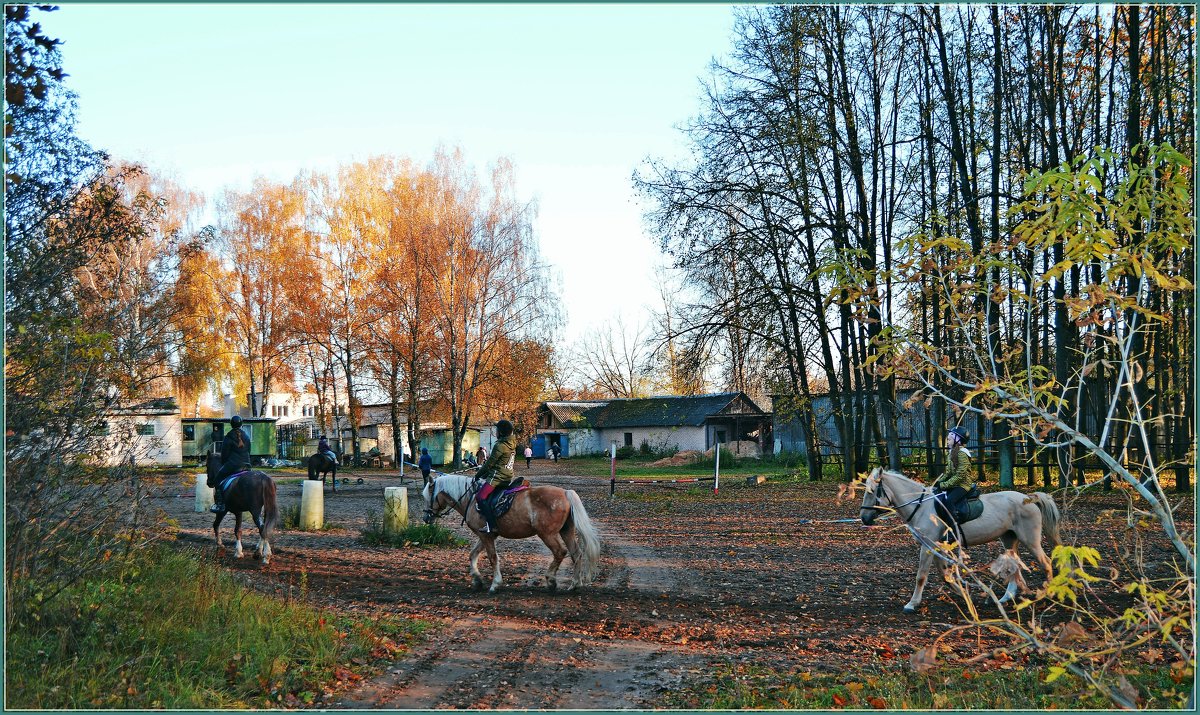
(922, 576)
(263, 550)
(559, 549)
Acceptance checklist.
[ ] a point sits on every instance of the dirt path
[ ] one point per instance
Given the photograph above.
(687, 580)
(531, 667)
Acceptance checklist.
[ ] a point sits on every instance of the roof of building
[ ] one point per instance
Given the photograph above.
(571, 412)
(157, 406)
(669, 411)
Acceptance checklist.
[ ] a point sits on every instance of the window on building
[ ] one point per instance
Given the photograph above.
(628, 439)
(146, 430)
(285, 410)
(721, 436)
(189, 433)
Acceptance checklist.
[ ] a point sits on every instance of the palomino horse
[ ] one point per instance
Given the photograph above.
(254, 492)
(321, 463)
(554, 515)
(1012, 517)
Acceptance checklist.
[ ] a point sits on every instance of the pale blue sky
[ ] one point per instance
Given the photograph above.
(576, 95)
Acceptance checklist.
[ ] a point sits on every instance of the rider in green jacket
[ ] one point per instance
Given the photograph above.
(498, 470)
(957, 480)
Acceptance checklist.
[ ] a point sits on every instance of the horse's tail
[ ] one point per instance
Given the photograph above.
(586, 555)
(1051, 517)
(270, 509)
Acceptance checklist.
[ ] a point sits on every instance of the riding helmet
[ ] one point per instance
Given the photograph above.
(961, 433)
(236, 420)
(504, 428)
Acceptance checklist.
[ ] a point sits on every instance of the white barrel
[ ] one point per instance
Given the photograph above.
(204, 493)
(312, 505)
(395, 509)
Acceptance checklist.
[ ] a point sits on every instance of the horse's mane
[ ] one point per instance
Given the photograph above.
(456, 485)
(893, 473)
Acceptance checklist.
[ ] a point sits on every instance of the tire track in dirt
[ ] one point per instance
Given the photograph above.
(488, 662)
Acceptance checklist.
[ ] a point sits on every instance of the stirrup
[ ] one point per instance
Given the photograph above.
(217, 508)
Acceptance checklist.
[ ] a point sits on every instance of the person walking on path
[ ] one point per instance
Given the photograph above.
(528, 456)
(426, 465)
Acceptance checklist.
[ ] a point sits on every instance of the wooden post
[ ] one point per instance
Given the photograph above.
(204, 493)
(312, 505)
(395, 509)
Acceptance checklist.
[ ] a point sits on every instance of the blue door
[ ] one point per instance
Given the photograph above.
(539, 446)
(562, 442)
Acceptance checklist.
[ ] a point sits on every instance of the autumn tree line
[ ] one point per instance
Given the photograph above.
(989, 204)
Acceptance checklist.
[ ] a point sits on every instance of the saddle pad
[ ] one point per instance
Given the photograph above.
(225, 485)
(502, 503)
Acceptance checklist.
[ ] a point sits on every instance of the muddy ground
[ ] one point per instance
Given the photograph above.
(687, 580)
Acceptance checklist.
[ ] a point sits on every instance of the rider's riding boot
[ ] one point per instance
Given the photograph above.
(217, 507)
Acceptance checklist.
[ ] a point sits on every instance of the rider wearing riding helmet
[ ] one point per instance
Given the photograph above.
(323, 447)
(957, 480)
(498, 469)
(235, 457)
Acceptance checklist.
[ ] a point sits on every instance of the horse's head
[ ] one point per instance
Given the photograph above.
(875, 497)
(437, 501)
(213, 465)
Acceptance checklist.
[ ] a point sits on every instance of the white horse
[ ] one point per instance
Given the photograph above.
(554, 515)
(1012, 517)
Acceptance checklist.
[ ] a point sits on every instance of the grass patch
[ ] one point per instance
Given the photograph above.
(1022, 687)
(166, 630)
(412, 535)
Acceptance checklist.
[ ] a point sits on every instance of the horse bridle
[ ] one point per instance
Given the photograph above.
(432, 516)
(880, 493)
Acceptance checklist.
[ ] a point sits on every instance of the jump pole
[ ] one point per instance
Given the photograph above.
(612, 480)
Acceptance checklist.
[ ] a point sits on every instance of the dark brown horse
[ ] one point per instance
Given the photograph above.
(321, 463)
(554, 515)
(251, 491)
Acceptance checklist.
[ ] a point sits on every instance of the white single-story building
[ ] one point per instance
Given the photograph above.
(150, 433)
(664, 423)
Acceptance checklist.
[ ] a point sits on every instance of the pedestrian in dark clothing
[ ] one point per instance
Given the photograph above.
(426, 465)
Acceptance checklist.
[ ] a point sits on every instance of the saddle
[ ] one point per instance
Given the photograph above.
(969, 509)
(500, 502)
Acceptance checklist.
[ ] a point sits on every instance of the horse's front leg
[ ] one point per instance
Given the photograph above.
(476, 576)
(237, 535)
(922, 576)
(489, 543)
(217, 530)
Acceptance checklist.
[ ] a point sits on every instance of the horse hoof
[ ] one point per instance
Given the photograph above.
(551, 586)
(492, 591)
(909, 610)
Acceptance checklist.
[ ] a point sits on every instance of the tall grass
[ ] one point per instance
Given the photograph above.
(166, 629)
(1020, 686)
(412, 535)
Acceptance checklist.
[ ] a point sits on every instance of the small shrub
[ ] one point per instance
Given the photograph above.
(645, 449)
(414, 535)
(625, 452)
